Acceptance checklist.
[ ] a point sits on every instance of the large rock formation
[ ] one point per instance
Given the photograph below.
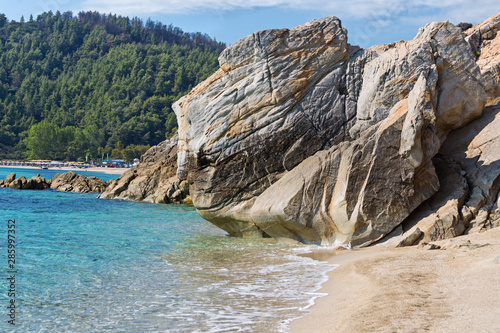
(301, 135)
(153, 180)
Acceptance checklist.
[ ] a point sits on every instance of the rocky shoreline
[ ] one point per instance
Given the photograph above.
(65, 182)
(301, 136)
(153, 180)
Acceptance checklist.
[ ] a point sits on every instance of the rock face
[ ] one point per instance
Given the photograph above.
(485, 43)
(153, 180)
(467, 201)
(468, 163)
(300, 135)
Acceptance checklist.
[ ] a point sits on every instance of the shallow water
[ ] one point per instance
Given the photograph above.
(49, 173)
(89, 265)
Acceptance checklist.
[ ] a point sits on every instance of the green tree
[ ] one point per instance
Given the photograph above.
(134, 151)
(68, 148)
(117, 152)
(94, 136)
(42, 141)
(3, 20)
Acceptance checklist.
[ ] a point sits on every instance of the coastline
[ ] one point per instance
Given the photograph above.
(410, 289)
(111, 171)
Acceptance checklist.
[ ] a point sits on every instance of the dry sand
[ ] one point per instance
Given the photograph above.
(411, 289)
(111, 171)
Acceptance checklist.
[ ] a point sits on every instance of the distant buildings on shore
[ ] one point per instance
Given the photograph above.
(109, 163)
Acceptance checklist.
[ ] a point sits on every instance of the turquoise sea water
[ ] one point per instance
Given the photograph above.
(49, 173)
(90, 265)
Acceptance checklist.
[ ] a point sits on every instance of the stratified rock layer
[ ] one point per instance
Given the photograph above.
(468, 163)
(485, 42)
(300, 135)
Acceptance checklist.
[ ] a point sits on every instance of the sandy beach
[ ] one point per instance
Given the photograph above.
(112, 171)
(413, 289)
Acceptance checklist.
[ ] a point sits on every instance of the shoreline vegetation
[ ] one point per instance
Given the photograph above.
(447, 286)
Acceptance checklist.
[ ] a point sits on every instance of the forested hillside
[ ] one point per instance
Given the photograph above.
(92, 84)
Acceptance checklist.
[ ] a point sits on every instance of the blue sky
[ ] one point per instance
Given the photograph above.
(369, 22)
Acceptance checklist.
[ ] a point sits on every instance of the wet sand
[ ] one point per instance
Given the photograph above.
(411, 289)
(112, 171)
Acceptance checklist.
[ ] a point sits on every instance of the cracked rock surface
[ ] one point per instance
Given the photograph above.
(301, 136)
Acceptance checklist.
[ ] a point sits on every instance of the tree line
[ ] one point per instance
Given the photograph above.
(82, 86)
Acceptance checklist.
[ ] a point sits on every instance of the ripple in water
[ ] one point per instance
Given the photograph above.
(88, 265)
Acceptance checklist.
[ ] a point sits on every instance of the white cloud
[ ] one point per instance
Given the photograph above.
(354, 9)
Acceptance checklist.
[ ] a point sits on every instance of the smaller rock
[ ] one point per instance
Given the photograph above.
(30, 183)
(96, 184)
(22, 183)
(170, 191)
(177, 195)
(187, 200)
(430, 246)
(72, 182)
(184, 187)
(460, 244)
(466, 215)
(10, 178)
(16, 184)
(39, 183)
(478, 223)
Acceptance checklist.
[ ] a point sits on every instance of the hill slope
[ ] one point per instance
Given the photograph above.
(93, 82)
